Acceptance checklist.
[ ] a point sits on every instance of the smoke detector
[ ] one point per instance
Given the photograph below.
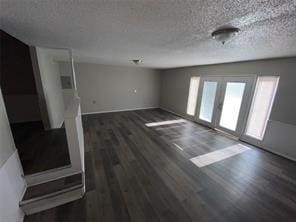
(223, 35)
(136, 61)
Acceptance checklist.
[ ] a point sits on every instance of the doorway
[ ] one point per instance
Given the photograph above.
(223, 102)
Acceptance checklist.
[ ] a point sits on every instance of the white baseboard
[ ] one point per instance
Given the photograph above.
(61, 124)
(119, 110)
(51, 202)
(50, 175)
(270, 151)
(177, 114)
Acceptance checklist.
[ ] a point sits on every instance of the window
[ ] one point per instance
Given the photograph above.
(261, 106)
(232, 103)
(192, 96)
(208, 101)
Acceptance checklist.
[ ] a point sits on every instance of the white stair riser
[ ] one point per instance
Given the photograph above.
(50, 202)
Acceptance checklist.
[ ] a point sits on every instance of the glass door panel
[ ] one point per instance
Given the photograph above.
(232, 105)
(208, 100)
(223, 102)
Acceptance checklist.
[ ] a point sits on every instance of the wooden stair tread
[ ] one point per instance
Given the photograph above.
(44, 150)
(52, 187)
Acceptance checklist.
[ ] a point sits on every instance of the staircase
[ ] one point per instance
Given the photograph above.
(51, 188)
(52, 193)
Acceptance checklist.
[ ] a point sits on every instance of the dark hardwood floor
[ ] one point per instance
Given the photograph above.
(40, 149)
(136, 173)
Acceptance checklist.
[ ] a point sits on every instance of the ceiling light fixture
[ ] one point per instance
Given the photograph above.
(223, 35)
(136, 61)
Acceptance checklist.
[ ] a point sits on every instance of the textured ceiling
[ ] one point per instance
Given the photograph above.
(164, 33)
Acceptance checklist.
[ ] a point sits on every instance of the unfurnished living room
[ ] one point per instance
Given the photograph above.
(147, 110)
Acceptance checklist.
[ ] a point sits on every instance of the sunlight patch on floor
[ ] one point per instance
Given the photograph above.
(218, 155)
(168, 122)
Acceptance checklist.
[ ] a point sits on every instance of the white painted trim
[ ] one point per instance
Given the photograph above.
(74, 85)
(262, 143)
(50, 195)
(279, 122)
(261, 146)
(180, 115)
(49, 176)
(51, 202)
(270, 105)
(47, 171)
(277, 153)
(226, 134)
(75, 136)
(73, 109)
(61, 124)
(119, 110)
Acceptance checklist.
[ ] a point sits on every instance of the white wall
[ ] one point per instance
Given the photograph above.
(12, 184)
(51, 83)
(175, 85)
(109, 88)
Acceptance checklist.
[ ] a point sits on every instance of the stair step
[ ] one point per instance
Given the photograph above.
(53, 193)
(52, 186)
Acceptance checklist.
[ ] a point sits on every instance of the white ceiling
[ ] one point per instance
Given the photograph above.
(164, 33)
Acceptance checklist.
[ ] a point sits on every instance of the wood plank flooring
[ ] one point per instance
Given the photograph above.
(139, 173)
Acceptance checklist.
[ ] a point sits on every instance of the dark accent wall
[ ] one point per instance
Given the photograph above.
(17, 80)
(16, 72)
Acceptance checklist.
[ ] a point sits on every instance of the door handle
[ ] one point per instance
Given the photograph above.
(220, 106)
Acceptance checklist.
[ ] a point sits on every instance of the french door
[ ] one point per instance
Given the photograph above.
(223, 102)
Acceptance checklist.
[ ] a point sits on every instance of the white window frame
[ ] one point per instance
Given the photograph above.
(271, 102)
(192, 95)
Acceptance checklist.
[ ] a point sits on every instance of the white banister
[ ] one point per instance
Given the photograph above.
(73, 71)
(75, 140)
(74, 132)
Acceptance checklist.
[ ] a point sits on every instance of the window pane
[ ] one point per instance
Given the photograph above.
(192, 96)
(231, 105)
(261, 106)
(208, 101)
